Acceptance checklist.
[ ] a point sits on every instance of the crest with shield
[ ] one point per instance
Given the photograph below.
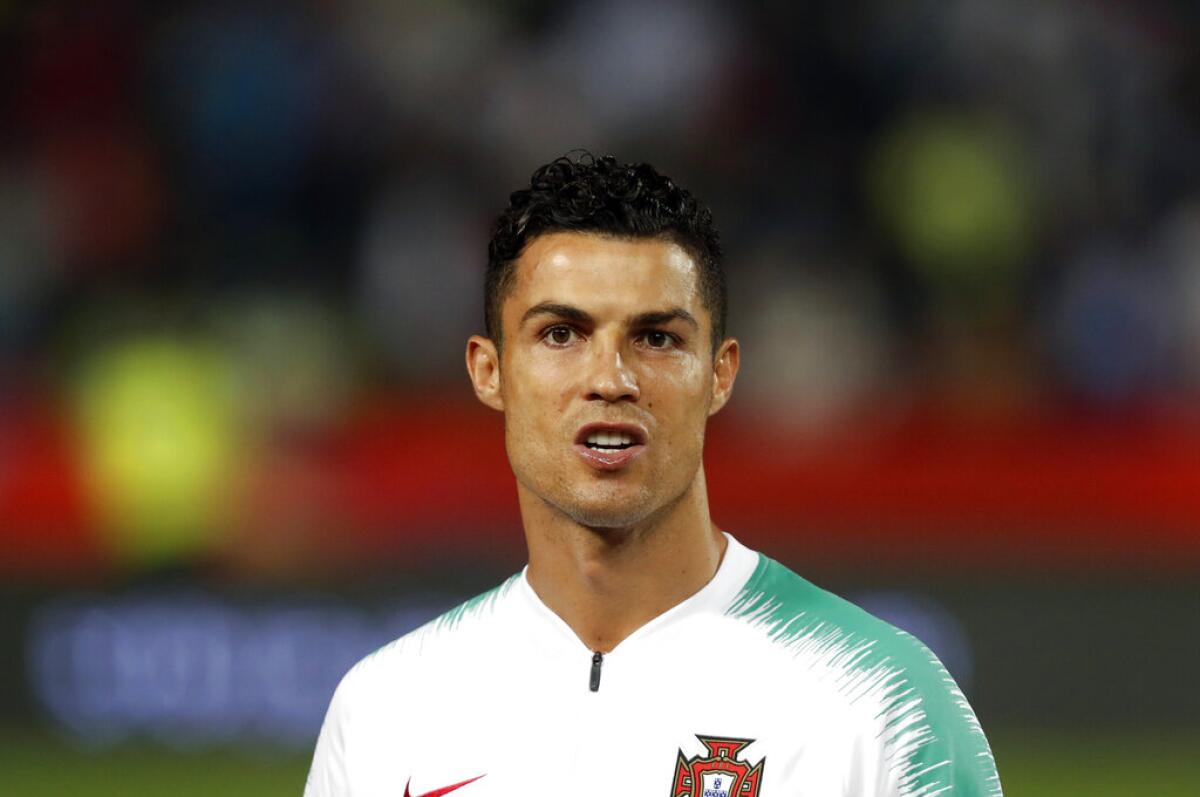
(718, 772)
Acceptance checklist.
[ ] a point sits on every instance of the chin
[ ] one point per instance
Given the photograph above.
(607, 517)
(619, 509)
(607, 521)
(610, 511)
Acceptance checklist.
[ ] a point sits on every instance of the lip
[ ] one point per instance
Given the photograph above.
(610, 461)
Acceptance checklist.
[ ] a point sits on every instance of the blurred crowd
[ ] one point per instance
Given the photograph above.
(227, 226)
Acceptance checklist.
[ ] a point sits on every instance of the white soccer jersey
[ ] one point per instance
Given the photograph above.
(759, 685)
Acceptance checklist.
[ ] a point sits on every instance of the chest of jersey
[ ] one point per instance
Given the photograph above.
(687, 714)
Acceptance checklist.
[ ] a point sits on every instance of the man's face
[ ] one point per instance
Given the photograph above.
(607, 376)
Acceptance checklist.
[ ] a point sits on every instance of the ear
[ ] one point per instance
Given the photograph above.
(483, 366)
(725, 368)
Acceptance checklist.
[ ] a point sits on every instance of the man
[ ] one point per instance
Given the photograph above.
(643, 651)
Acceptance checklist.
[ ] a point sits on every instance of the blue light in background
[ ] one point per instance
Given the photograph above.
(196, 671)
(930, 622)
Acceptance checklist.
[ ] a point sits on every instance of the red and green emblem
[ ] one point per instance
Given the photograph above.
(719, 773)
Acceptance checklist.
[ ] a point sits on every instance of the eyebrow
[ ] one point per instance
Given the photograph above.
(554, 308)
(572, 313)
(663, 316)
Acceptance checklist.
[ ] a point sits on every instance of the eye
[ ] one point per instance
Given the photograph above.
(657, 339)
(559, 335)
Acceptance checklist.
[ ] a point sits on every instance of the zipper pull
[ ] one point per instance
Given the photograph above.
(597, 662)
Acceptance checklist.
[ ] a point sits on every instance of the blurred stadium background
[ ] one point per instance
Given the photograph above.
(241, 245)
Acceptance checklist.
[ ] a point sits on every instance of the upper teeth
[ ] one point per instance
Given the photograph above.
(608, 439)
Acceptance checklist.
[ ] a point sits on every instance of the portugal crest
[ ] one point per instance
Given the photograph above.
(719, 773)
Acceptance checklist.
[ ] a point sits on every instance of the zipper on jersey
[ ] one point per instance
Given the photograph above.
(597, 663)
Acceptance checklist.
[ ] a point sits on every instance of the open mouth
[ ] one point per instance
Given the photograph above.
(609, 441)
(610, 447)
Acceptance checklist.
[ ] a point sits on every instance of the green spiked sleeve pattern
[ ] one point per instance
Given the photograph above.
(927, 734)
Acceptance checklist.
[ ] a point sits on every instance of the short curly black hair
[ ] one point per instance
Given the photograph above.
(583, 193)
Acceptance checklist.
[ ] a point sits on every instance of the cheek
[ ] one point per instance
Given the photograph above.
(679, 398)
(530, 379)
(535, 400)
(688, 375)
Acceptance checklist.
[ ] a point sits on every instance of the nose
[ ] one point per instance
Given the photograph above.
(610, 378)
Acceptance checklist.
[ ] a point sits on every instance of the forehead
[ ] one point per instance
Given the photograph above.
(601, 273)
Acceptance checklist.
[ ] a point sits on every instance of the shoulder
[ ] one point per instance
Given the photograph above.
(908, 703)
(370, 715)
(438, 644)
(796, 614)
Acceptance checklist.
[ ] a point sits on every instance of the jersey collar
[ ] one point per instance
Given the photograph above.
(737, 565)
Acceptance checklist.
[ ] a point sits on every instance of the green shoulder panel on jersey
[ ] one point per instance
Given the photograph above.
(451, 619)
(935, 742)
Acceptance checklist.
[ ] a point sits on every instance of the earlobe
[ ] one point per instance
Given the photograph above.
(483, 367)
(725, 368)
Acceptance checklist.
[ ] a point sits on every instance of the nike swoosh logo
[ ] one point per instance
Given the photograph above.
(441, 791)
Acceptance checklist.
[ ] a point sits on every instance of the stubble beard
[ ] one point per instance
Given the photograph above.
(605, 506)
(603, 503)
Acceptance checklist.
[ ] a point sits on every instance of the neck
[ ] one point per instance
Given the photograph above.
(607, 583)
